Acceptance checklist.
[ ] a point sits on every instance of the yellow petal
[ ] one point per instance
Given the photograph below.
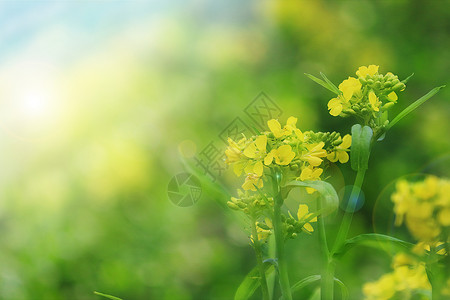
(333, 156)
(308, 227)
(250, 151)
(372, 70)
(261, 142)
(444, 217)
(284, 155)
(302, 211)
(343, 157)
(392, 96)
(310, 190)
(249, 168)
(238, 168)
(291, 121)
(316, 173)
(314, 160)
(346, 142)
(299, 134)
(269, 158)
(258, 168)
(306, 174)
(336, 111)
(275, 127)
(373, 99)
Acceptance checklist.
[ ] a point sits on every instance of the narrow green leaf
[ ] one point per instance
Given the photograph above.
(251, 282)
(360, 149)
(373, 240)
(344, 289)
(407, 78)
(321, 82)
(305, 282)
(107, 296)
(413, 106)
(330, 83)
(329, 197)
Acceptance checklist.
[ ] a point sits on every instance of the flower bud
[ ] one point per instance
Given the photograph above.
(232, 205)
(399, 87)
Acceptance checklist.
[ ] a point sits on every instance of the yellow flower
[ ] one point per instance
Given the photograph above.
(364, 71)
(263, 234)
(233, 152)
(348, 87)
(374, 101)
(444, 217)
(257, 148)
(303, 214)
(251, 181)
(279, 132)
(283, 156)
(341, 151)
(409, 275)
(314, 153)
(335, 106)
(310, 173)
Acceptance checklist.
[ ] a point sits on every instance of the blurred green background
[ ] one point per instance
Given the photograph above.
(102, 102)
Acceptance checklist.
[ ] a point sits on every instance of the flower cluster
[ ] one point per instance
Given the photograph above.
(304, 154)
(425, 208)
(366, 96)
(296, 155)
(408, 281)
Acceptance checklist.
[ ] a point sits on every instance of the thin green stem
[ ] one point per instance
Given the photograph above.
(327, 282)
(259, 261)
(279, 247)
(328, 274)
(348, 214)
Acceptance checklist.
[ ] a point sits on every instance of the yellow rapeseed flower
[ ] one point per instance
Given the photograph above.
(335, 106)
(283, 156)
(349, 86)
(303, 214)
(364, 71)
(251, 181)
(341, 151)
(313, 154)
(374, 101)
(278, 132)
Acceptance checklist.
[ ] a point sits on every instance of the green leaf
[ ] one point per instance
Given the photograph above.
(344, 289)
(305, 282)
(329, 197)
(373, 240)
(360, 149)
(251, 282)
(413, 106)
(330, 84)
(322, 83)
(107, 296)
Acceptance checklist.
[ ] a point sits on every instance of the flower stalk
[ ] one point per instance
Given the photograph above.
(259, 262)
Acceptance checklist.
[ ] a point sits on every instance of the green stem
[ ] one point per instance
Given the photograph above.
(279, 246)
(259, 261)
(348, 214)
(328, 275)
(279, 241)
(327, 282)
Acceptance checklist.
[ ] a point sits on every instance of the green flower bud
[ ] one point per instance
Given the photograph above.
(399, 87)
(232, 205)
(349, 111)
(388, 105)
(241, 204)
